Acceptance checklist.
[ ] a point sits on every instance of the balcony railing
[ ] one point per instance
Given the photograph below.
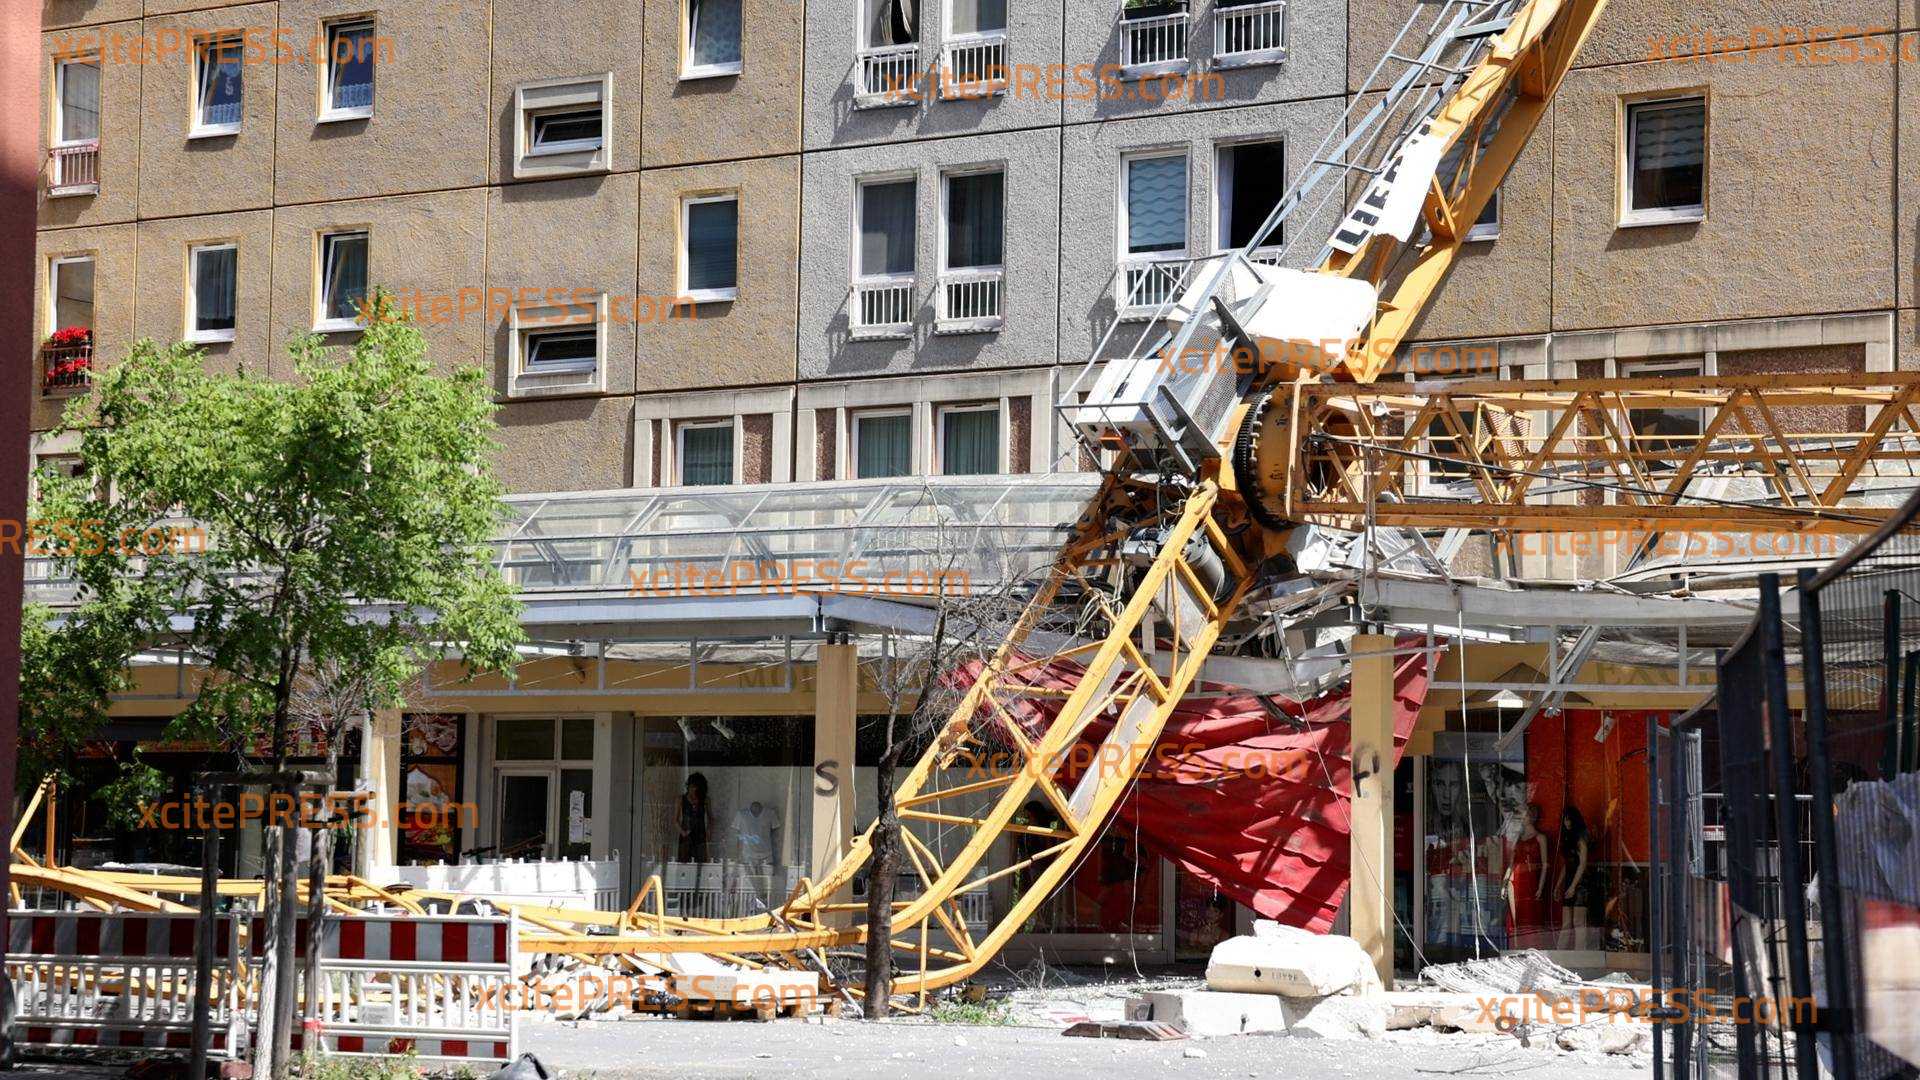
(883, 308)
(887, 75)
(975, 66)
(74, 168)
(1157, 43)
(970, 300)
(1146, 283)
(66, 369)
(1250, 33)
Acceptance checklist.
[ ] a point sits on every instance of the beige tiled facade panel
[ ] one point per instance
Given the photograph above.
(566, 444)
(429, 128)
(161, 311)
(181, 175)
(564, 235)
(119, 195)
(432, 243)
(732, 116)
(744, 342)
(597, 37)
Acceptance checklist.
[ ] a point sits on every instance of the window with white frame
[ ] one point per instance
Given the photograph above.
(212, 291)
(348, 70)
(342, 288)
(884, 256)
(1250, 179)
(975, 47)
(1153, 227)
(1665, 162)
(889, 59)
(77, 118)
(972, 245)
(70, 291)
(1487, 225)
(882, 443)
(977, 17)
(561, 126)
(559, 348)
(705, 452)
(712, 39)
(218, 88)
(710, 247)
(968, 439)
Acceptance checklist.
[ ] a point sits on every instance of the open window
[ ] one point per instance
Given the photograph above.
(710, 248)
(74, 157)
(561, 127)
(342, 285)
(347, 82)
(1665, 167)
(969, 439)
(887, 68)
(972, 245)
(705, 452)
(218, 87)
(884, 255)
(1153, 228)
(975, 61)
(212, 291)
(67, 353)
(712, 39)
(882, 442)
(1250, 181)
(558, 348)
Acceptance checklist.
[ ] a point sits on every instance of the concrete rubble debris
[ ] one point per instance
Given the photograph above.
(1291, 962)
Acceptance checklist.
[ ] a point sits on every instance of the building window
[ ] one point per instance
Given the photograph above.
(1251, 181)
(349, 71)
(558, 349)
(1487, 225)
(969, 440)
(888, 63)
(882, 443)
(217, 87)
(543, 794)
(975, 60)
(74, 157)
(706, 452)
(1153, 228)
(713, 39)
(972, 234)
(884, 256)
(343, 281)
(710, 255)
(1670, 430)
(212, 288)
(561, 126)
(1249, 32)
(1666, 162)
(70, 291)
(562, 350)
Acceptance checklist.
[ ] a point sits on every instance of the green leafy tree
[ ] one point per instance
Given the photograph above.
(338, 521)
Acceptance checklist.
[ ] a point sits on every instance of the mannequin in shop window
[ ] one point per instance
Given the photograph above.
(695, 820)
(1526, 882)
(1576, 882)
(756, 833)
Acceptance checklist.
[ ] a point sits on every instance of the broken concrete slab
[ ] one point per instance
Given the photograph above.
(1291, 962)
(1211, 1013)
(1140, 1030)
(1408, 1009)
(1338, 1016)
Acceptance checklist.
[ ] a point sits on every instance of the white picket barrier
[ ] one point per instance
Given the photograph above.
(90, 978)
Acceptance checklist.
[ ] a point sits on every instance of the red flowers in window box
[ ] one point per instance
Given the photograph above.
(67, 356)
(70, 337)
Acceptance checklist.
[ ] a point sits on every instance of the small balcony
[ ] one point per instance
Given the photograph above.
(1250, 34)
(66, 365)
(1154, 45)
(887, 75)
(970, 301)
(1145, 283)
(74, 168)
(882, 308)
(974, 66)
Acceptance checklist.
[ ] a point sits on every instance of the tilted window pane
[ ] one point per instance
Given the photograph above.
(716, 31)
(562, 348)
(220, 83)
(712, 239)
(345, 287)
(350, 51)
(574, 125)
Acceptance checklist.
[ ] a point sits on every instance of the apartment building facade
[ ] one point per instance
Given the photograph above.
(710, 243)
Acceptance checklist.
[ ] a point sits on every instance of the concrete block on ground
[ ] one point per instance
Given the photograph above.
(1291, 962)
(1340, 1016)
(1211, 1013)
(1417, 1008)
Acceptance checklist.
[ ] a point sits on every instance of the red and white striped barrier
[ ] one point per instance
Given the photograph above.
(437, 985)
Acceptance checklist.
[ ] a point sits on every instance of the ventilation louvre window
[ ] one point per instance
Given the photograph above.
(1666, 162)
(574, 129)
(563, 350)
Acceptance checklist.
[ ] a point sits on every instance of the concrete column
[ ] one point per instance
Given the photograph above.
(1370, 897)
(836, 689)
(380, 763)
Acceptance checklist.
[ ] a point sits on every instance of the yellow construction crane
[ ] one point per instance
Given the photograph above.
(1259, 407)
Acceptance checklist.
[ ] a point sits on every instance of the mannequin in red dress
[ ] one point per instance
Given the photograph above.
(1527, 880)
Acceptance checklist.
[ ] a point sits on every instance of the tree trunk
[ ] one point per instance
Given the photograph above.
(886, 845)
(322, 848)
(264, 1063)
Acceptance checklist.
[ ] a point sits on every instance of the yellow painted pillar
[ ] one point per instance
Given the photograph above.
(381, 757)
(836, 689)
(1370, 897)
